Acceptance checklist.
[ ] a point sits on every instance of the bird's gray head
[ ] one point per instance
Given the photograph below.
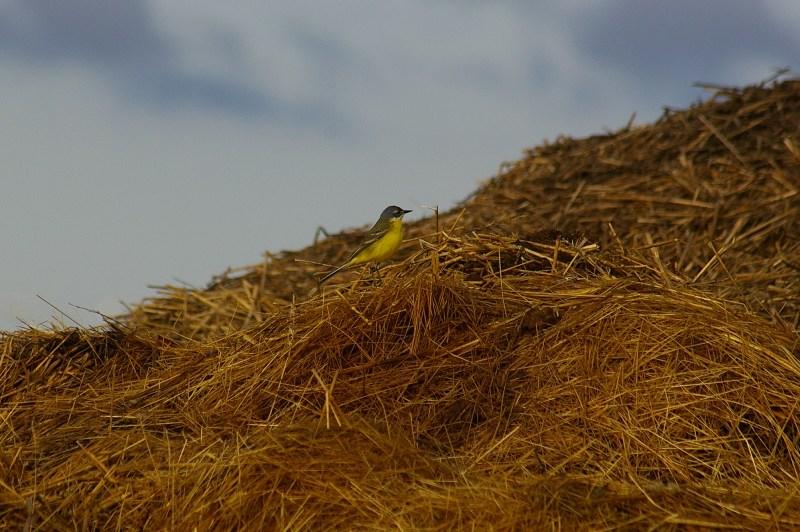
(393, 211)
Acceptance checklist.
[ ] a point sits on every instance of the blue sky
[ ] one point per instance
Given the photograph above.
(150, 141)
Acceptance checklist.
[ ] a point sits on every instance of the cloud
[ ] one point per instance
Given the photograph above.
(122, 44)
(786, 15)
(119, 33)
(655, 40)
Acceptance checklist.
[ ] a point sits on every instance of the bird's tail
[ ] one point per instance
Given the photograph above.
(332, 273)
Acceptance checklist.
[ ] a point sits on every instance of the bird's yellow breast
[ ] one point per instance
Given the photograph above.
(384, 247)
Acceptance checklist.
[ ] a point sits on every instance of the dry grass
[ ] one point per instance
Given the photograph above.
(637, 368)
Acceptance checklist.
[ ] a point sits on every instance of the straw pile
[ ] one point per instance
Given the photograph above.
(605, 335)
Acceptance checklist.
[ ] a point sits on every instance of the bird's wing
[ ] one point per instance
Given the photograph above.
(373, 235)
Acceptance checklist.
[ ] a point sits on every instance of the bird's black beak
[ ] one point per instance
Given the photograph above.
(406, 211)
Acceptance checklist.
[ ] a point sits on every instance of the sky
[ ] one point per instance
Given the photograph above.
(148, 142)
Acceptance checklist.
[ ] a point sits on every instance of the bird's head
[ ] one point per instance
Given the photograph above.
(393, 212)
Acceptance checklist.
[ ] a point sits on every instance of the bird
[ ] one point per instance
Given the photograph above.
(380, 242)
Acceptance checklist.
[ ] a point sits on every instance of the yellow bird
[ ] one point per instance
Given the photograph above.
(380, 242)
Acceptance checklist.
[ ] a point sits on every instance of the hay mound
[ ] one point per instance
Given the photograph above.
(621, 372)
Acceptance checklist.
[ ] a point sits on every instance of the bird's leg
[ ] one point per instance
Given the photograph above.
(374, 270)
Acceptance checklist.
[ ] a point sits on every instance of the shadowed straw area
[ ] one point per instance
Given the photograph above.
(501, 375)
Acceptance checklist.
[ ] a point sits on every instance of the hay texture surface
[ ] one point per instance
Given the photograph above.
(603, 336)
